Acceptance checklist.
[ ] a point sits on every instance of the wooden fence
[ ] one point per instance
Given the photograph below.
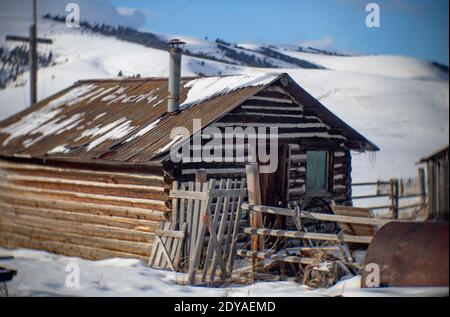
(396, 191)
(257, 253)
(202, 234)
(343, 216)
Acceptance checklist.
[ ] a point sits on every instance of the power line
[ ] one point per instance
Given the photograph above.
(184, 6)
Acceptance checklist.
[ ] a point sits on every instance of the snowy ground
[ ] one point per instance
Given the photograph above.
(44, 274)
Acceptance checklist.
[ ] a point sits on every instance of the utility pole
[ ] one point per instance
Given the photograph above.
(33, 56)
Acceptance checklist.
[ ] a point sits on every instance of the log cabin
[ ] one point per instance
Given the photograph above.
(87, 172)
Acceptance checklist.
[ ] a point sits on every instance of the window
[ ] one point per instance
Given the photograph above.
(316, 171)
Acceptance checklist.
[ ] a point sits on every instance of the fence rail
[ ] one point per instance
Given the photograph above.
(396, 190)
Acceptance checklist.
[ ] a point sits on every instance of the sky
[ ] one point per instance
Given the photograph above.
(416, 28)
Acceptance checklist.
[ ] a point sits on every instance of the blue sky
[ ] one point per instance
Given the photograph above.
(417, 28)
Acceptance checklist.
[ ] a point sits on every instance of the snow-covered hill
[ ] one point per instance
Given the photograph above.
(399, 103)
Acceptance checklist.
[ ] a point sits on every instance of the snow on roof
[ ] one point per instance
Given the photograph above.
(43, 120)
(145, 130)
(206, 88)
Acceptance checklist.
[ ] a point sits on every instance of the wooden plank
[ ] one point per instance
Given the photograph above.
(159, 257)
(218, 255)
(165, 253)
(234, 234)
(277, 257)
(196, 212)
(317, 216)
(188, 195)
(254, 198)
(196, 254)
(190, 214)
(227, 193)
(307, 235)
(154, 250)
(209, 249)
(215, 244)
(170, 233)
(179, 247)
(359, 228)
(234, 205)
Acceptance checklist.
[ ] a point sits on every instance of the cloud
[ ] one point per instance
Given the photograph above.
(95, 11)
(324, 43)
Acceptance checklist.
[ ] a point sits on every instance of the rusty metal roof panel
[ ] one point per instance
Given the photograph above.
(119, 120)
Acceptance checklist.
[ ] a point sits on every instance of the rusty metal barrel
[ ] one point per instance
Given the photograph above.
(410, 255)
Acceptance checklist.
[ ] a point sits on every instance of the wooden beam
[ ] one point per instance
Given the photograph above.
(170, 233)
(317, 216)
(307, 235)
(18, 38)
(254, 198)
(422, 188)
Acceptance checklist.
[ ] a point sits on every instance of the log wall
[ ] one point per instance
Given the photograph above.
(301, 129)
(79, 212)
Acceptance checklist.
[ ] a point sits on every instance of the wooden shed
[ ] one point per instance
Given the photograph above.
(437, 184)
(87, 172)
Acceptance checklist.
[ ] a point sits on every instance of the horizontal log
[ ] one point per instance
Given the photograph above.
(272, 100)
(276, 115)
(14, 241)
(83, 174)
(141, 193)
(92, 230)
(139, 248)
(307, 235)
(83, 197)
(316, 216)
(276, 257)
(49, 179)
(109, 221)
(33, 200)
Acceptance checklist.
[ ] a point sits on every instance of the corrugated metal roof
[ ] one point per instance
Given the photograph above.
(101, 119)
(119, 120)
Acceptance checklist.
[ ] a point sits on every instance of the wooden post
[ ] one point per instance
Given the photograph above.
(394, 198)
(33, 57)
(422, 191)
(33, 54)
(431, 202)
(201, 176)
(254, 198)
